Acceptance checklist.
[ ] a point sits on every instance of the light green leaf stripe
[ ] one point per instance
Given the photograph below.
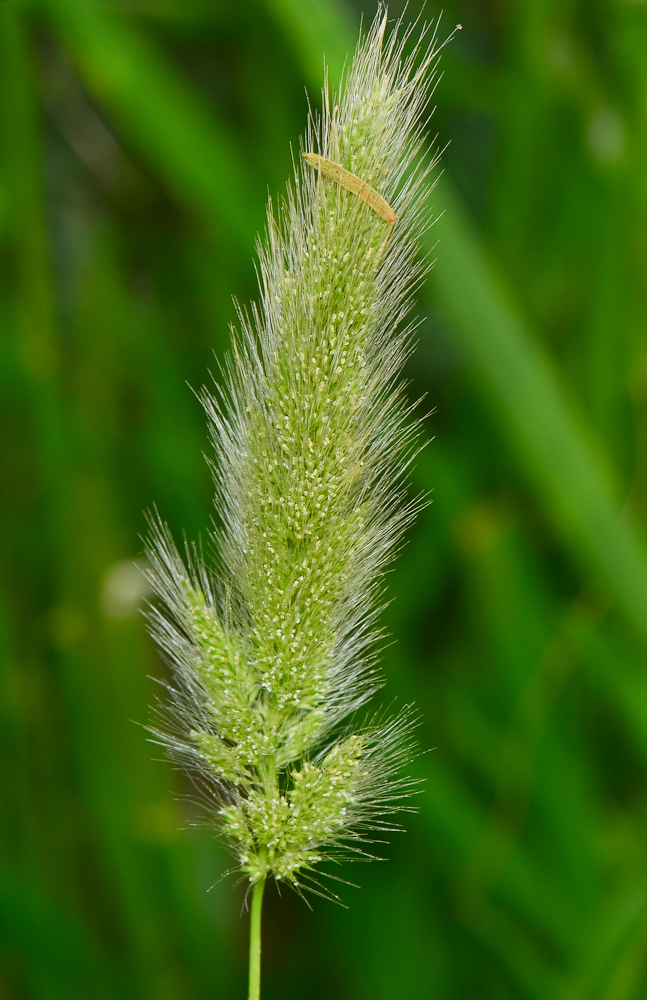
(315, 28)
(552, 442)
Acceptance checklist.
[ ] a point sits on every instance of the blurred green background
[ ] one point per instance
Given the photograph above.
(138, 142)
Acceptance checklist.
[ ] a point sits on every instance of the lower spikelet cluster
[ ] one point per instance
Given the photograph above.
(273, 653)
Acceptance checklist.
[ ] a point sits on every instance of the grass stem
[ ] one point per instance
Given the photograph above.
(255, 942)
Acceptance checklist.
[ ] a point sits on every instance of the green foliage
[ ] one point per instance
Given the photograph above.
(138, 141)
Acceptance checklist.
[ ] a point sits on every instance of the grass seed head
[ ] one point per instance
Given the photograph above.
(312, 436)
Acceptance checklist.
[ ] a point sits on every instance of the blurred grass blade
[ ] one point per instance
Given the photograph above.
(316, 28)
(552, 443)
(163, 116)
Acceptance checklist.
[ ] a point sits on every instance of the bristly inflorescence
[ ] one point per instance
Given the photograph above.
(312, 434)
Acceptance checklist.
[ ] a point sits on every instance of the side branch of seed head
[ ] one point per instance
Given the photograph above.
(352, 183)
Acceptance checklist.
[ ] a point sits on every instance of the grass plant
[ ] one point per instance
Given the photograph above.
(273, 653)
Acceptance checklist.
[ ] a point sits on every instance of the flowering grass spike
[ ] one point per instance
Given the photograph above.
(273, 654)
